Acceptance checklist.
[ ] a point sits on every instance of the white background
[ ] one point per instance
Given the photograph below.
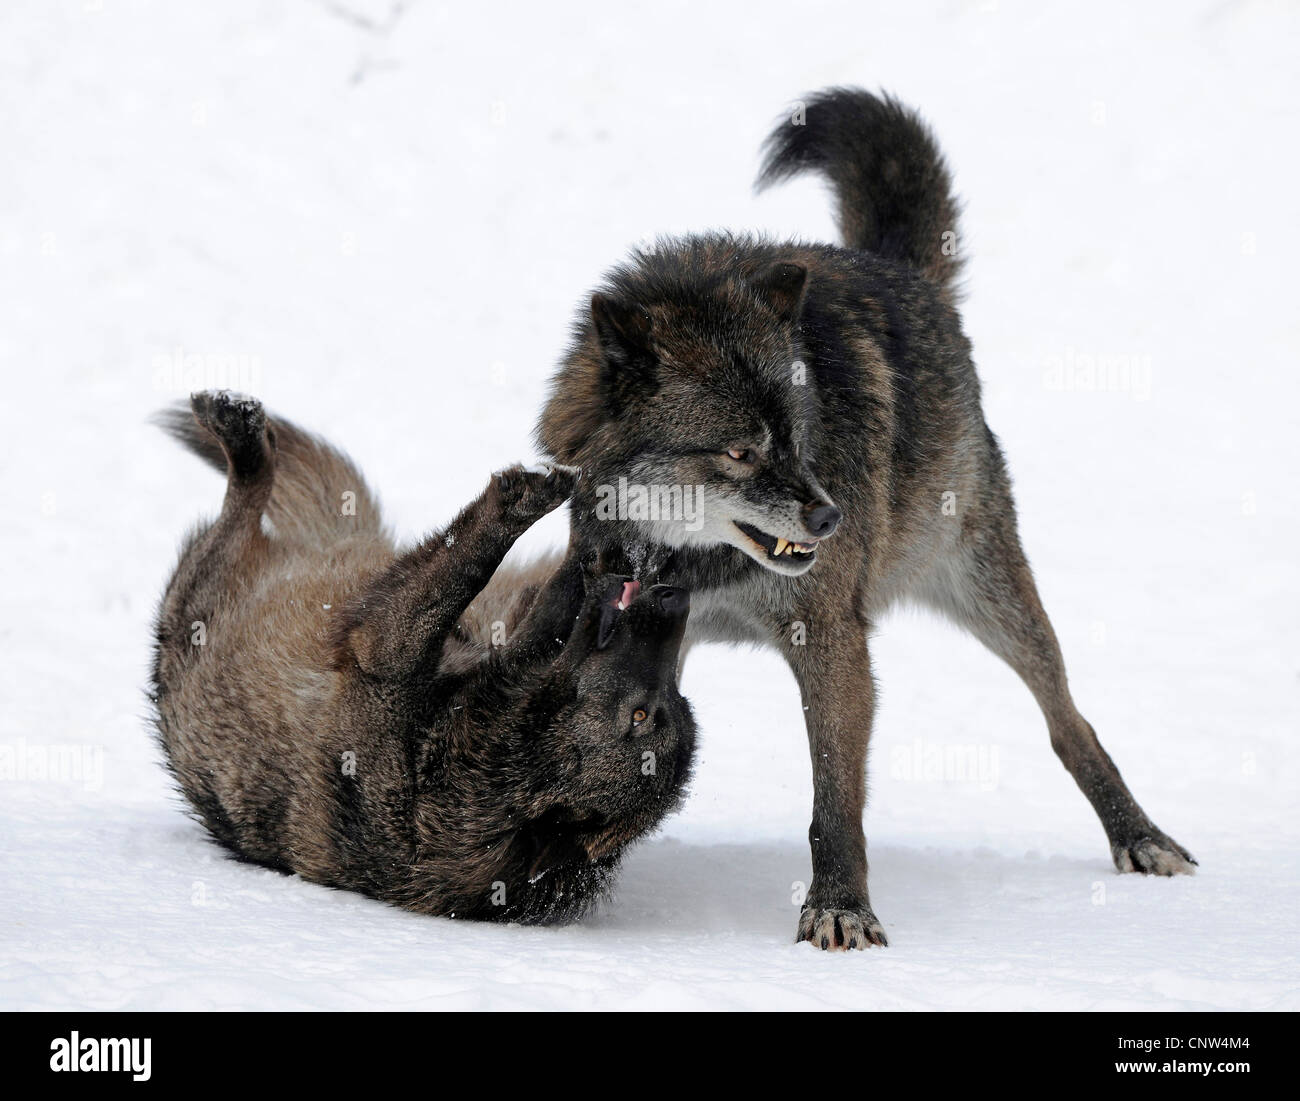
(394, 217)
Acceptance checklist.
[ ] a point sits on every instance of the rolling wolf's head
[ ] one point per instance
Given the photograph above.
(596, 749)
(620, 663)
(684, 401)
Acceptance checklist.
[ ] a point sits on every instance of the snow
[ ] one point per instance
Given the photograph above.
(379, 218)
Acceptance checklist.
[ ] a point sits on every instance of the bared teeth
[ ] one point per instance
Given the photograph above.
(786, 548)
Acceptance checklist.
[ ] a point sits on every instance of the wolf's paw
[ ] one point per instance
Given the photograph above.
(533, 491)
(227, 414)
(1155, 854)
(840, 929)
(239, 422)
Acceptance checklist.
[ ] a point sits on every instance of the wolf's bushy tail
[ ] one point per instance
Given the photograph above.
(892, 185)
(318, 496)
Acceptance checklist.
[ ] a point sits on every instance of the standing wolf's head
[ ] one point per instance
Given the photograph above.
(684, 400)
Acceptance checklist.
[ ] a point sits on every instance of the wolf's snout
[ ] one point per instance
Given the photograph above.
(821, 519)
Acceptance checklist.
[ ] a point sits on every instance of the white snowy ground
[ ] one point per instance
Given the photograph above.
(390, 218)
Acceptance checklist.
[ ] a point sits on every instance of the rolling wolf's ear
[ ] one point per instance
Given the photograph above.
(553, 853)
(547, 843)
(624, 330)
(781, 286)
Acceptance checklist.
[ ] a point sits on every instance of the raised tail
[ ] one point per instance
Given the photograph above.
(893, 188)
(318, 495)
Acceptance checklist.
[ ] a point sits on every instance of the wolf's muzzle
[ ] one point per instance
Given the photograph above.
(670, 599)
(821, 520)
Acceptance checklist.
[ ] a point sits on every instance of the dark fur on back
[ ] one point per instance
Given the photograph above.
(712, 325)
(419, 726)
(822, 405)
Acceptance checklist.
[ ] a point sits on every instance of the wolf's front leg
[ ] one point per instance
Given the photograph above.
(398, 624)
(834, 674)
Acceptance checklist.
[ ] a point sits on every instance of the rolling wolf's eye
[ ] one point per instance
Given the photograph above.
(639, 716)
(740, 454)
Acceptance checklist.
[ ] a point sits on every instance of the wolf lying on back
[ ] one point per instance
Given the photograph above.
(814, 390)
(332, 708)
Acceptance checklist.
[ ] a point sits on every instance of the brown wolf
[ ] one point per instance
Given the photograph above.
(334, 708)
(793, 391)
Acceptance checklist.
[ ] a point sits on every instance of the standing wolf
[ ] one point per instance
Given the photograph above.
(816, 391)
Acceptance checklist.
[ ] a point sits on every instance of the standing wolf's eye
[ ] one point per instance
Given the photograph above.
(740, 454)
(639, 716)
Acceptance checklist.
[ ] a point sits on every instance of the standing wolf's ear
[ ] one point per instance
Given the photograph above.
(623, 328)
(781, 286)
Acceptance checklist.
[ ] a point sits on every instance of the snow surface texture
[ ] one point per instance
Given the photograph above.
(387, 214)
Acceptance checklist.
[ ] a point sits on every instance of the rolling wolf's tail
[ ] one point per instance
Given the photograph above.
(318, 495)
(890, 180)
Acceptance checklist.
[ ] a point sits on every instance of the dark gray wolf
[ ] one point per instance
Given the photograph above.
(420, 727)
(810, 391)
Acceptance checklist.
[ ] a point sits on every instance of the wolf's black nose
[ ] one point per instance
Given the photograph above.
(670, 598)
(822, 519)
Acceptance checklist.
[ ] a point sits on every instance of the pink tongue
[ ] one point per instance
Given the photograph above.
(630, 589)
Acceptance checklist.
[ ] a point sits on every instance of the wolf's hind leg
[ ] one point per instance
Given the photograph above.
(234, 543)
(240, 426)
(988, 588)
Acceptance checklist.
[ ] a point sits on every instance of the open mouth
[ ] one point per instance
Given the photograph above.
(622, 600)
(616, 600)
(776, 548)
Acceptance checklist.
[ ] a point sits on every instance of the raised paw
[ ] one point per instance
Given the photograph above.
(533, 491)
(840, 930)
(239, 422)
(227, 413)
(1156, 854)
